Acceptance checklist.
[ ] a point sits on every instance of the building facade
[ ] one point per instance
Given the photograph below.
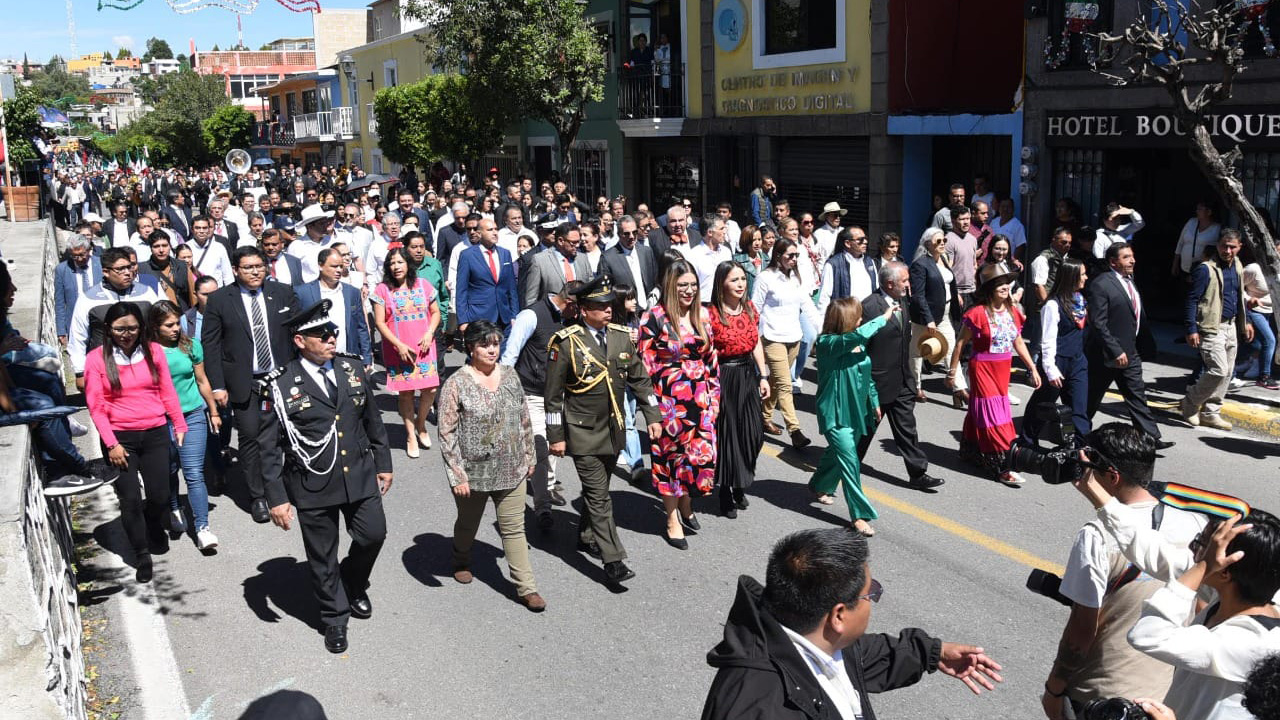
(244, 70)
(305, 120)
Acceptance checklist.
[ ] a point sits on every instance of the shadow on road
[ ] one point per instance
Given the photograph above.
(1242, 446)
(793, 496)
(430, 558)
(285, 584)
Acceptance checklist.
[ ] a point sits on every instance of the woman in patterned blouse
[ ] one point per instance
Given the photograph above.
(487, 442)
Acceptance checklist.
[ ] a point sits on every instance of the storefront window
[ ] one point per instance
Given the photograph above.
(590, 171)
(799, 25)
(1077, 175)
(1260, 175)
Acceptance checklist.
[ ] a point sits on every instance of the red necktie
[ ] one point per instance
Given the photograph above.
(1133, 299)
(493, 266)
(272, 267)
(568, 269)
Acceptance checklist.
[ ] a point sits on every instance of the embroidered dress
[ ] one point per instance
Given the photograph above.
(686, 384)
(408, 316)
(988, 425)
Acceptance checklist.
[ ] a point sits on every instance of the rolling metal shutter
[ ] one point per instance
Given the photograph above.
(816, 171)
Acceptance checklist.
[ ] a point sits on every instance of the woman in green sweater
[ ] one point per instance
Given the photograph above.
(848, 406)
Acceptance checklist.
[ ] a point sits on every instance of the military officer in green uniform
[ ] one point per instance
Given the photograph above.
(589, 366)
(325, 455)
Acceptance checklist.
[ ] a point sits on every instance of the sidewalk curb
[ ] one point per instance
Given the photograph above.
(1255, 418)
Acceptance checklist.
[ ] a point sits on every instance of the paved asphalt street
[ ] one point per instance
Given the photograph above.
(243, 622)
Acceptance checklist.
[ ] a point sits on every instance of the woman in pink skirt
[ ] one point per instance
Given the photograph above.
(407, 314)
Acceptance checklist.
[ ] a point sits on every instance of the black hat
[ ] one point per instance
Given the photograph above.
(597, 290)
(313, 316)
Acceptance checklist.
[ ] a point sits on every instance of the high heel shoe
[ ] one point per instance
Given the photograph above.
(677, 543)
(690, 523)
(412, 450)
(424, 439)
(960, 399)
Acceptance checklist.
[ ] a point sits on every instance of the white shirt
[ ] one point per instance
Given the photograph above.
(139, 246)
(644, 298)
(120, 234)
(356, 238)
(831, 674)
(705, 260)
(373, 260)
(508, 239)
(781, 302)
(859, 282)
(1192, 241)
(1014, 230)
(338, 313)
(454, 254)
(320, 373)
(307, 251)
(1040, 271)
(282, 275)
(989, 198)
(211, 260)
(1126, 284)
(826, 238)
(249, 298)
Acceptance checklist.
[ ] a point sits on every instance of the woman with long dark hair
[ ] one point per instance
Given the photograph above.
(1065, 367)
(131, 400)
(186, 369)
(677, 350)
(735, 330)
(407, 314)
(781, 301)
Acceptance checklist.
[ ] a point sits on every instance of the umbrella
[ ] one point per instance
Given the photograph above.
(367, 180)
(264, 161)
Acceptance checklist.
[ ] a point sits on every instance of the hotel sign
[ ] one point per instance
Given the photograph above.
(1249, 127)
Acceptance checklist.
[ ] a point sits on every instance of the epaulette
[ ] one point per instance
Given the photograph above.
(566, 332)
(352, 356)
(266, 379)
(621, 328)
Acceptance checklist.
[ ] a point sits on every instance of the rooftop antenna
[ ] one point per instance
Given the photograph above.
(71, 27)
(239, 31)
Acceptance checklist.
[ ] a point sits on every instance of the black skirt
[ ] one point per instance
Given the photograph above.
(739, 427)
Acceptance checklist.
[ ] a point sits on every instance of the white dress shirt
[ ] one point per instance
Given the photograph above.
(781, 301)
(211, 260)
(307, 251)
(509, 240)
(321, 373)
(338, 313)
(120, 234)
(859, 282)
(831, 674)
(249, 298)
(281, 266)
(705, 260)
(643, 299)
(452, 282)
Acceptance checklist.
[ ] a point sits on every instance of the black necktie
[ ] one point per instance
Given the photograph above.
(600, 337)
(329, 386)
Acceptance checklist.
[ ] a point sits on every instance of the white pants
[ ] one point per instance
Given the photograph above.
(948, 332)
(544, 472)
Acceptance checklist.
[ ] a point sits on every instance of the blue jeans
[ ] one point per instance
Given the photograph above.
(45, 383)
(191, 458)
(53, 437)
(1264, 341)
(632, 454)
(808, 334)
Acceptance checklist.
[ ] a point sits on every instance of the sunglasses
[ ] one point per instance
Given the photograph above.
(877, 592)
(320, 333)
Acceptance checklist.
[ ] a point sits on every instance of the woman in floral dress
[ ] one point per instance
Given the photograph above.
(406, 313)
(677, 350)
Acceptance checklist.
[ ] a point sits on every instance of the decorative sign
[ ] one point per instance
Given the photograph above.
(1251, 127)
(788, 92)
(730, 25)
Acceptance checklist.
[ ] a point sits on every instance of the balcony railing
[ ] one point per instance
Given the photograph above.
(344, 121)
(271, 133)
(373, 119)
(651, 91)
(312, 125)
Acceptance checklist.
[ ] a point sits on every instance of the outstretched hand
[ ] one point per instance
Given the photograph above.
(970, 665)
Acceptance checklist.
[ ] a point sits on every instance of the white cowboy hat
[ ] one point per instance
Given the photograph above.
(833, 207)
(310, 214)
(90, 217)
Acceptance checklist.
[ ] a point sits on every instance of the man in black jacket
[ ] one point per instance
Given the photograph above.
(796, 648)
(890, 351)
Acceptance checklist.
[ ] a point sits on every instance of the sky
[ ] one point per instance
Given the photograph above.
(40, 28)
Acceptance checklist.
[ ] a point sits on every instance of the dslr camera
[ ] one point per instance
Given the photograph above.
(1061, 463)
(1116, 708)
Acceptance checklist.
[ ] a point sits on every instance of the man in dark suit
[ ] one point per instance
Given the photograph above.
(486, 282)
(549, 271)
(325, 401)
(676, 233)
(179, 215)
(632, 264)
(224, 231)
(244, 338)
(348, 308)
(119, 227)
(890, 351)
(1119, 336)
(281, 266)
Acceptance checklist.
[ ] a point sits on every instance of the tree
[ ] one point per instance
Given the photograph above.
(151, 87)
(534, 59)
(26, 66)
(215, 47)
(158, 49)
(188, 99)
(265, 47)
(433, 119)
(58, 87)
(123, 53)
(230, 126)
(1182, 48)
(22, 121)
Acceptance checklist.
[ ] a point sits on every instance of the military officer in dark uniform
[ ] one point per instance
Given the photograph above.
(589, 366)
(325, 453)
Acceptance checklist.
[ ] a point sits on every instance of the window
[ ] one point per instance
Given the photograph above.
(291, 102)
(1260, 174)
(390, 76)
(242, 85)
(589, 167)
(799, 25)
(376, 160)
(1077, 174)
(357, 156)
(309, 101)
(1075, 50)
(788, 33)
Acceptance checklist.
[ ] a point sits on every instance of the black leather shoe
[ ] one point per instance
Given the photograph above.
(740, 499)
(335, 639)
(677, 543)
(260, 512)
(691, 523)
(640, 477)
(145, 569)
(557, 498)
(1164, 444)
(360, 606)
(617, 571)
(545, 520)
(729, 511)
(589, 548)
(800, 440)
(926, 481)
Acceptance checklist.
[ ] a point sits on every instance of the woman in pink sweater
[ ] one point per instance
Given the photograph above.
(131, 400)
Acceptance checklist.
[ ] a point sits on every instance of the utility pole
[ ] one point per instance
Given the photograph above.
(10, 207)
(239, 31)
(71, 28)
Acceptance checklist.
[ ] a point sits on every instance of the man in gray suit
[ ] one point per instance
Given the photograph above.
(551, 269)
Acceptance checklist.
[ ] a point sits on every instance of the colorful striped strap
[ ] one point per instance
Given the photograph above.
(1207, 502)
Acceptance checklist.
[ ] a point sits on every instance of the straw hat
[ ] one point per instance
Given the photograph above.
(932, 346)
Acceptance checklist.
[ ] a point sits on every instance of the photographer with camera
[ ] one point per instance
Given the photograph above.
(1212, 653)
(1107, 592)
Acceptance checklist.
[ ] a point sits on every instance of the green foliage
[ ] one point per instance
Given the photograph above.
(23, 123)
(123, 53)
(538, 58)
(158, 49)
(56, 86)
(230, 126)
(187, 99)
(265, 46)
(133, 138)
(215, 48)
(435, 119)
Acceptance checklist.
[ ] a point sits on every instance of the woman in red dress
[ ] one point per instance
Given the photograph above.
(735, 330)
(677, 350)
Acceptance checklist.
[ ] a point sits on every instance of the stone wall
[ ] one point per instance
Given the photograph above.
(41, 666)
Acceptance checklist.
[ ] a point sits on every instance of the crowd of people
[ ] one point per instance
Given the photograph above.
(258, 302)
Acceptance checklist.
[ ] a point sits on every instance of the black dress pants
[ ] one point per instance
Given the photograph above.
(900, 411)
(143, 487)
(367, 526)
(248, 421)
(1132, 387)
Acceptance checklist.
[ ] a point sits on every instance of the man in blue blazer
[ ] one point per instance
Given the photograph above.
(347, 311)
(478, 295)
(80, 271)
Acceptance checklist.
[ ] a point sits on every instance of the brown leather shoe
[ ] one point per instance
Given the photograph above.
(463, 575)
(771, 429)
(533, 601)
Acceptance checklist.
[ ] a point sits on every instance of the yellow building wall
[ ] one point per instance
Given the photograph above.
(84, 62)
(411, 65)
(812, 89)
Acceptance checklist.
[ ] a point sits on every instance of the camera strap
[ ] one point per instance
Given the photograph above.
(1133, 572)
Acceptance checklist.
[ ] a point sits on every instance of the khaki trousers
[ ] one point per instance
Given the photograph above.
(779, 357)
(948, 332)
(510, 507)
(1218, 351)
